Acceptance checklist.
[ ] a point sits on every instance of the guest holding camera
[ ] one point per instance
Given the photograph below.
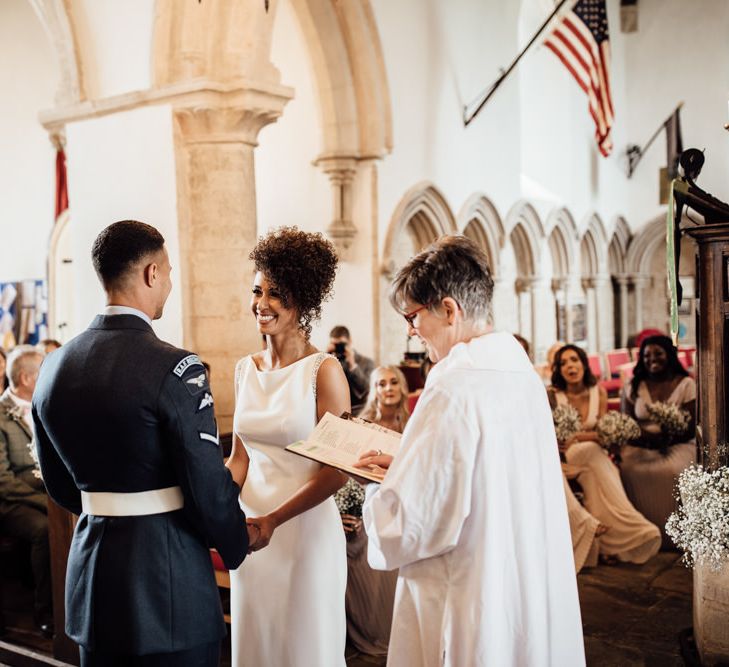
(357, 367)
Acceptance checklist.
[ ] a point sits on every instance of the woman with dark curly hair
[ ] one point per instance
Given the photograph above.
(624, 534)
(650, 469)
(288, 602)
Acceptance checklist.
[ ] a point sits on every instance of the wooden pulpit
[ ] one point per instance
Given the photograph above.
(711, 589)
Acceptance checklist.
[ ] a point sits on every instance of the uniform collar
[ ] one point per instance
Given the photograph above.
(127, 310)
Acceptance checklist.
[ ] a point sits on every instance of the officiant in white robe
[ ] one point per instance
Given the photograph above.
(472, 509)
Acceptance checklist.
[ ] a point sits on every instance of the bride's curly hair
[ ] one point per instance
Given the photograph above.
(302, 266)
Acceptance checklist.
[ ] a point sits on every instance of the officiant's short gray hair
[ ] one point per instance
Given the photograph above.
(452, 266)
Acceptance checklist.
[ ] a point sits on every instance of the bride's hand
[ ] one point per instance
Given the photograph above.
(266, 525)
(374, 458)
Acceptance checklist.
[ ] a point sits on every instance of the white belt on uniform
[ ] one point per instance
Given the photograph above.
(157, 501)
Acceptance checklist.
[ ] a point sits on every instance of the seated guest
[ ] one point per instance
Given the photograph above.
(357, 367)
(545, 370)
(370, 593)
(48, 345)
(23, 501)
(3, 365)
(629, 536)
(650, 469)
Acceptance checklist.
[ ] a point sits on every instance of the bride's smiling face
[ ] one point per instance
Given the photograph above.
(267, 305)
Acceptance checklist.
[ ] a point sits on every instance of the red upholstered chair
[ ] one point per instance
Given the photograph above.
(595, 365)
(412, 401)
(615, 359)
(683, 357)
(222, 576)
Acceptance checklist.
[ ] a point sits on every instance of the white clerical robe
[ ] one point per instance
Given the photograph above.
(473, 513)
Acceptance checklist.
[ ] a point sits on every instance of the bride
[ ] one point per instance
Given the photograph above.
(287, 601)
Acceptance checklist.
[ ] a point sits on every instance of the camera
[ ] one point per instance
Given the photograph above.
(339, 349)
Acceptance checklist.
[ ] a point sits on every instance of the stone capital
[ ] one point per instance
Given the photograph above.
(341, 170)
(233, 116)
(248, 106)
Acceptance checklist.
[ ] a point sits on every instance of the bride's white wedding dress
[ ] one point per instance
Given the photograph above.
(287, 600)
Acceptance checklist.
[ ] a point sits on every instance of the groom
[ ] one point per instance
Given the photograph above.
(127, 439)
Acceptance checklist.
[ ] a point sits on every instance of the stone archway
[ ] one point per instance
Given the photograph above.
(220, 53)
(596, 285)
(480, 221)
(617, 266)
(646, 267)
(420, 218)
(526, 236)
(562, 240)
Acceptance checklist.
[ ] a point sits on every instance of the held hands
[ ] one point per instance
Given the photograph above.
(260, 531)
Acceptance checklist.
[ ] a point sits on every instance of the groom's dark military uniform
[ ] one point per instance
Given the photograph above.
(119, 412)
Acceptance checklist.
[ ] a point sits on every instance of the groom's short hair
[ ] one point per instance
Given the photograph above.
(120, 246)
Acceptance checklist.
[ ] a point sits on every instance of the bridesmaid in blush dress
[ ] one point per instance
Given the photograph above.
(287, 602)
(651, 468)
(629, 537)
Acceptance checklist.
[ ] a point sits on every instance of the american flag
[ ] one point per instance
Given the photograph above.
(581, 41)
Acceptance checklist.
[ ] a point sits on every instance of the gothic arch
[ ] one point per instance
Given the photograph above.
(618, 248)
(593, 248)
(644, 244)
(479, 221)
(57, 21)
(562, 239)
(231, 41)
(525, 233)
(423, 214)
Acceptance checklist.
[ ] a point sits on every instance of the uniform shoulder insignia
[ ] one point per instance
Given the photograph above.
(206, 402)
(184, 364)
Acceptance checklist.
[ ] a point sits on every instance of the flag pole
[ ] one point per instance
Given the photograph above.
(633, 162)
(467, 118)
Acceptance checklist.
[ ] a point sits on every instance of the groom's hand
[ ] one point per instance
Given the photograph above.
(254, 533)
(265, 526)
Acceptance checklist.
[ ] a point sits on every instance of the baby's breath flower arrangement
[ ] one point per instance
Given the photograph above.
(673, 421)
(615, 429)
(567, 422)
(349, 498)
(700, 525)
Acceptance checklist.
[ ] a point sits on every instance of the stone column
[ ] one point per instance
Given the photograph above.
(624, 331)
(215, 138)
(341, 171)
(639, 284)
(602, 335)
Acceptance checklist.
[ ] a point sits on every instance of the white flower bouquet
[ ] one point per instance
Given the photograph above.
(615, 429)
(567, 422)
(674, 421)
(700, 525)
(349, 498)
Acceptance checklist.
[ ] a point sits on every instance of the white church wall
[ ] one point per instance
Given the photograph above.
(679, 54)
(27, 167)
(115, 41)
(122, 167)
(452, 51)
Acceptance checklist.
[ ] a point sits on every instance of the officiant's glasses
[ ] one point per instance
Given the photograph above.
(409, 317)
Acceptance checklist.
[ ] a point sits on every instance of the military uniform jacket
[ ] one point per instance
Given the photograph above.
(118, 410)
(18, 484)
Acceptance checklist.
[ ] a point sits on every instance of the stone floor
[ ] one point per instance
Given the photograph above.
(632, 615)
